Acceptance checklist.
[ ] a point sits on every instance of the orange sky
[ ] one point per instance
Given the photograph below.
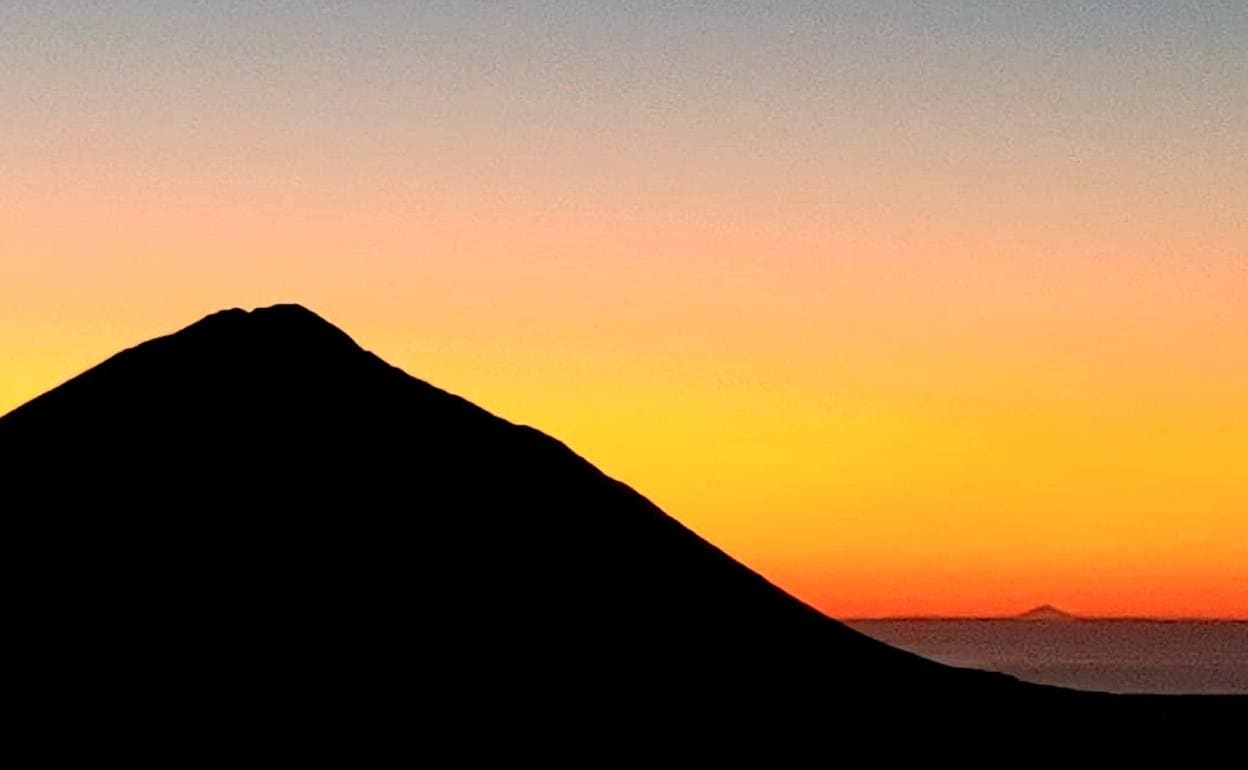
(914, 314)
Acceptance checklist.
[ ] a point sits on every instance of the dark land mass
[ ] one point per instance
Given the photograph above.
(255, 522)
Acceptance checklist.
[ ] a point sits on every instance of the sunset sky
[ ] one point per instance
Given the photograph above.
(915, 307)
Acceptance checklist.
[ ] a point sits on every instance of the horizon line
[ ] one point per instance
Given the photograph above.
(1070, 616)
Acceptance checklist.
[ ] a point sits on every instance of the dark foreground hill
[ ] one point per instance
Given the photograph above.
(254, 516)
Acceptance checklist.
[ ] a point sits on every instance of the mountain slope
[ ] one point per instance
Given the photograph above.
(256, 505)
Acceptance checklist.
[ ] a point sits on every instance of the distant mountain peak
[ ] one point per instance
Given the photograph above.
(1046, 612)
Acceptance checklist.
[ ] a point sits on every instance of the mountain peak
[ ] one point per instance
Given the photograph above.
(284, 313)
(1046, 612)
(226, 360)
(289, 311)
(286, 323)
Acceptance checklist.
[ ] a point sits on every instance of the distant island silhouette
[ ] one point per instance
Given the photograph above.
(1047, 613)
(1044, 612)
(255, 516)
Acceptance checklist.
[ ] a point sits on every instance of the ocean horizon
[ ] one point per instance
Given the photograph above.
(1121, 655)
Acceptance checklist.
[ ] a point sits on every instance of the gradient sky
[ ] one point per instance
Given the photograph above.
(921, 307)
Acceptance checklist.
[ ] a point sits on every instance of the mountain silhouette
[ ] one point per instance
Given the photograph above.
(256, 516)
(1046, 612)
